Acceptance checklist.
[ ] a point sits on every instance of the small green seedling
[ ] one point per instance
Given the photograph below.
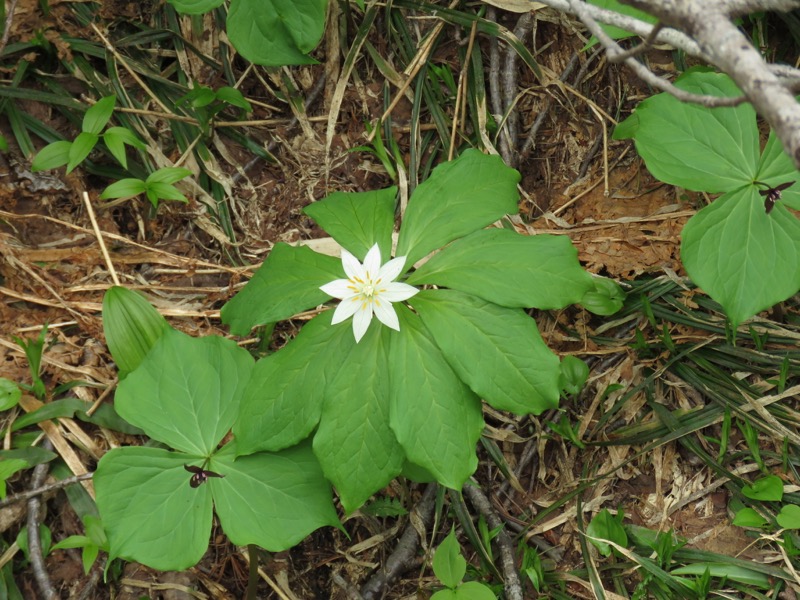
(58, 154)
(449, 566)
(158, 186)
(605, 526)
(91, 543)
(9, 394)
(574, 373)
(33, 352)
(208, 103)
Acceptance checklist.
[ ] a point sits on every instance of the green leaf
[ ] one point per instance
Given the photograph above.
(354, 444)
(131, 326)
(445, 595)
(195, 7)
(358, 220)
(497, 351)
(151, 513)
(605, 526)
(458, 198)
(615, 32)
(789, 517)
(73, 541)
(186, 391)
(168, 175)
(233, 97)
(276, 32)
(743, 258)
(9, 466)
(729, 572)
(293, 498)
(749, 517)
(115, 139)
(703, 149)
(52, 156)
(448, 564)
(80, 149)
(283, 400)
(33, 455)
(286, 283)
(474, 590)
(769, 488)
(98, 115)
(9, 394)
(510, 269)
(163, 191)
(437, 419)
(124, 188)
(3, 144)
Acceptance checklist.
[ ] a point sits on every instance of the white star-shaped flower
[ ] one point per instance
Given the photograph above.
(369, 289)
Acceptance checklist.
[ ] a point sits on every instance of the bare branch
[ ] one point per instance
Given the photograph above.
(579, 8)
(708, 22)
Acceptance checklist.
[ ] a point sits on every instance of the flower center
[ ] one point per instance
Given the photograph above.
(368, 290)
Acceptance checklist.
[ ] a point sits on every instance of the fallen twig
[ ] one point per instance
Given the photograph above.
(34, 543)
(513, 585)
(402, 557)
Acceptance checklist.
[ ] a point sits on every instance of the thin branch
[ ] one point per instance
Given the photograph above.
(641, 71)
(34, 543)
(12, 7)
(404, 554)
(639, 48)
(513, 585)
(44, 489)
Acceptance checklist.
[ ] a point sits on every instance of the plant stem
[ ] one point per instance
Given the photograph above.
(252, 579)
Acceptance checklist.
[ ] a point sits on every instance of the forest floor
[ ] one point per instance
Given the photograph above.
(189, 259)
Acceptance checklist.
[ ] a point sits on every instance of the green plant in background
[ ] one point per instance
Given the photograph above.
(449, 566)
(408, 395)
(269, 32)
(157, 503)
(33, 352)
(90, 544)
(208, 103)
(744, 248)
(58, 154)
(158, 186)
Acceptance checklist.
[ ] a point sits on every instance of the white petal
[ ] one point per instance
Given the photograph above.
(392, 269)
(372, 262)
(361, 322)
(346, 309)
(352, 267)
(396, 292)
(339, 288)
(386, 315)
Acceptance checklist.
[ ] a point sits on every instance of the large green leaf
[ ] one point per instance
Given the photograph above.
(776, 168)
(615, 5)
(288, 282)
(458, 198)
(744, 258)
(358, 220)
(272, 500)
(710, 150)
(436, 417)
(510, 269)
(283, 400)
(151, 513)
(449, 565)
(276, 32)
(195, 7)
(354, 444)
(186, 391)
(497, 351)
